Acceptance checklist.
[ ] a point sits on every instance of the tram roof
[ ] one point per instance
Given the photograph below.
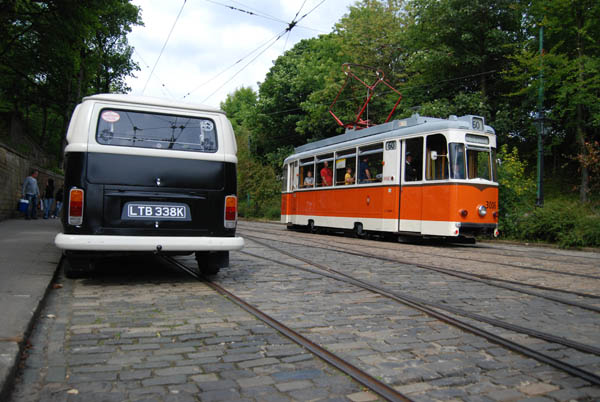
(412, 125)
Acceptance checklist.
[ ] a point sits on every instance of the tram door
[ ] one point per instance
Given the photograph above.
(411, 191)
(293, 206)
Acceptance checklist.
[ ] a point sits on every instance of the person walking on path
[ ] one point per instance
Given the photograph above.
(31, 192)
(48, 197)
(59, 202)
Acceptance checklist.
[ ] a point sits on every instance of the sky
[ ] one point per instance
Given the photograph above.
(213, 50)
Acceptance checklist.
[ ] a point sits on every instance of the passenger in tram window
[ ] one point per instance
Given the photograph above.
(364, 174)
(309, 180)
(348, 179)
(326, 174)
(410, 173)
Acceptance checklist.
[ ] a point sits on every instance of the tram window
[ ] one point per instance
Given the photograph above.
(284, 184)
(345, 163)
(413, 162)
(370, 164)
(325, 176)
(437, 158)
(478, 162)
(457, 160)
(306, 178)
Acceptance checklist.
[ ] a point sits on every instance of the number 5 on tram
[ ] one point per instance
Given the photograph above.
(419, 176)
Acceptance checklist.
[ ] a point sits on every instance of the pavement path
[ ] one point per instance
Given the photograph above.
(28, 262)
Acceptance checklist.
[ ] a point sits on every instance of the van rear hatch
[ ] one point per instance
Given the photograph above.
(148, 195)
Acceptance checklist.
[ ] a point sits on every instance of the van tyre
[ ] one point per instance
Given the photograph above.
(211, 262)
(77, 266)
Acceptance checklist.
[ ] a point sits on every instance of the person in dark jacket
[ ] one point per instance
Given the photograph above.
(48, 197)
(59, 202)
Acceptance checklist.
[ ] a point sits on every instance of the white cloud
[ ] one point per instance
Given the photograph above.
(209, 38)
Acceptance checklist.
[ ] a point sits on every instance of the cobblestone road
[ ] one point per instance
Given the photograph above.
(139, 331)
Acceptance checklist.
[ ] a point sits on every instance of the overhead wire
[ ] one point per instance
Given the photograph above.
(293, 19)
(246, 65)
(257, 13)
(290, 26)
(231, 66)
(164, 46)
(163, 86)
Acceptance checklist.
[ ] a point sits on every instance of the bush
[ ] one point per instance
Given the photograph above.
(568, 223)
(516, 191)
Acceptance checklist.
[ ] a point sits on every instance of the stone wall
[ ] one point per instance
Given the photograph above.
(14, 168)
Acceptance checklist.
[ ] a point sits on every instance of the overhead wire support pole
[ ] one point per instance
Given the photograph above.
(540, 120)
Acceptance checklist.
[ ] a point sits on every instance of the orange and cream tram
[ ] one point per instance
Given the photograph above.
(417, 176)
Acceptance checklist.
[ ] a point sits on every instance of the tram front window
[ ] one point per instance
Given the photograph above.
(479, 163)
(457, 160)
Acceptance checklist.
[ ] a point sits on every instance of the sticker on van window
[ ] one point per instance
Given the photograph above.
(110, 116)
(207, 125)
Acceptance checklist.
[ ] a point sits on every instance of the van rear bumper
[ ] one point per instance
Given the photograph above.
(146, 243)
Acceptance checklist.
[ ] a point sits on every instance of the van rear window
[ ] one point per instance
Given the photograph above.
(159, 131)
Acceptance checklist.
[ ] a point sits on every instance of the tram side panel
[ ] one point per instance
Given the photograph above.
(373, 207)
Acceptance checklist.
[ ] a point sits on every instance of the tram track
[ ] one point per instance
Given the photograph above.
(432, 309)
(488, 280)
(486, 250)
(357, 374)
(497, 323)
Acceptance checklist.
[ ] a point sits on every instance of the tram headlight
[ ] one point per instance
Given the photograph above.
(463, 213)
(482, 210)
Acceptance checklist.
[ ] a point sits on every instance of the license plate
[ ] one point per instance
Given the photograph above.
(156, 211)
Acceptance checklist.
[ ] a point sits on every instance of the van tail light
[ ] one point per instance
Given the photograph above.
(230, 211)
(75, 216)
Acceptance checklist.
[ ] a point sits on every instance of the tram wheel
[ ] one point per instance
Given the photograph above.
(311, 226)
(359, 231)
(211, 262)
(77, 265)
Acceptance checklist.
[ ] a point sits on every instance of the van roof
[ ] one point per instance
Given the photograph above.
(151, 101)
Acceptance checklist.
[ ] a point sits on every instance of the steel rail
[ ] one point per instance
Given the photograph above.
(492, 248)
(423, 307)
(513, 265)
(357, 374)
(498, 323)
(478, 278)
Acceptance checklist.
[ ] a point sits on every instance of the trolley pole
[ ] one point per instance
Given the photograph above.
(540, 120)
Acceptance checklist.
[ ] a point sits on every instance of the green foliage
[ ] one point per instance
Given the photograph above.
(566, 222)
(516, 191)
(54, 53)
(258, 185)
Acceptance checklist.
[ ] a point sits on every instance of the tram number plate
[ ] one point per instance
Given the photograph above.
(156, 211)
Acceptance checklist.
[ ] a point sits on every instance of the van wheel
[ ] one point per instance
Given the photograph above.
(77, 266)
(211, 262)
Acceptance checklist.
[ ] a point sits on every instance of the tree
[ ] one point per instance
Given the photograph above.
(460, 47)
(571, 69)
(55, 52)
(283, 103)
